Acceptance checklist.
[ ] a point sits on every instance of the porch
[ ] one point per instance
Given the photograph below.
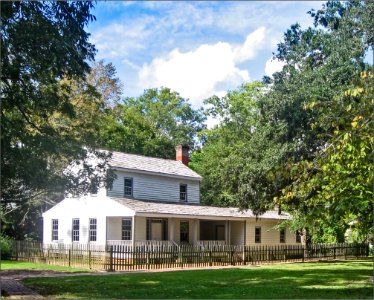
(155, 231)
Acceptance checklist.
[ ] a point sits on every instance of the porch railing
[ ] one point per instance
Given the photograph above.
(211, 243)
(119, 242)
(140, 243)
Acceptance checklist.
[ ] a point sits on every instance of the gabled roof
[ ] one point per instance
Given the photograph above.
(159, 166)
(141, 207)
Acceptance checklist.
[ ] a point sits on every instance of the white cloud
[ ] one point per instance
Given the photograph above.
(252, 44)
(118, 40)
(272, 66)
(197, 74)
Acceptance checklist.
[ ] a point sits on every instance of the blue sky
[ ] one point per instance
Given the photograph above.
(197, 48)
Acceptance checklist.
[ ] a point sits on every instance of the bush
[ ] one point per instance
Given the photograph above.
(5, 246)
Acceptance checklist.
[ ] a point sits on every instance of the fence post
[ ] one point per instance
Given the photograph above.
(89, 259)
(231, 257)
(148, 259)
(303, 251)
(244, 258)
(69, 256)
(111, 258)
(334, 252)
(180, 257)
(210, 258)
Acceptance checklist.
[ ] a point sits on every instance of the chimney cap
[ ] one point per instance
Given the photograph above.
(183, 146)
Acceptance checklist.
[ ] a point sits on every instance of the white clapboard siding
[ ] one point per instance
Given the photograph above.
(155, 188)
(237, 232)
(269, 235)
(82, 208)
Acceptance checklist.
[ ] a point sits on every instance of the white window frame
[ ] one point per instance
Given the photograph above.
(130, 188)
(54, 230)
(126, 230)
(258, 235)
(92, 233)
(75, 232)
(183, 196)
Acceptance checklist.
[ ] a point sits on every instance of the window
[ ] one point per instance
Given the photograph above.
(128, 187)
(298, 236)
(75, 231)
(183, 193)
(93, 230)
(282, 235)
(258, 235)
(184, 231)
(54, 230)
(126, 229)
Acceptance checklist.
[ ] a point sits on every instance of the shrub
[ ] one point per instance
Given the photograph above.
(5, 246)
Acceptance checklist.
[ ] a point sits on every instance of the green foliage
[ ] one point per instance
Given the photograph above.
(238, 154)
(305, 141)
(44, 59)
(152, 124)
(5, 246)
(336, 185)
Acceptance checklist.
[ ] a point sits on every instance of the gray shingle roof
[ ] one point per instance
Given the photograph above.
(151, 164)
(152, 207)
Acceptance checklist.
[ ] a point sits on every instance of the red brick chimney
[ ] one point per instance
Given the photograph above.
(181, 153)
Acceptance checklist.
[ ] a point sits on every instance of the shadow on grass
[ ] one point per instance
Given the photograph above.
(315, 280)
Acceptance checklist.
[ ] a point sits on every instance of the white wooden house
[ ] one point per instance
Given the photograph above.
(156, 200)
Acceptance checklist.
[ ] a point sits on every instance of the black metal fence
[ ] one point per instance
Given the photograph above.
(125, 257)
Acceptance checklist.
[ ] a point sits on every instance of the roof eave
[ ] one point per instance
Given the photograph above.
(197, 178)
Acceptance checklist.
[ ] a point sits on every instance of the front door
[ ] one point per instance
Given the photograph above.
(156, 231)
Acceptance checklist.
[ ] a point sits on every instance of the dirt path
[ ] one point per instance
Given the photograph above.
(12, 288)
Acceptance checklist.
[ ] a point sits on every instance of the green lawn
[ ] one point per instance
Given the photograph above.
(16, 265)
(348, 279)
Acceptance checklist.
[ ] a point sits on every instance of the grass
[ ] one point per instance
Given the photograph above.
(323, 280)
(17, 265)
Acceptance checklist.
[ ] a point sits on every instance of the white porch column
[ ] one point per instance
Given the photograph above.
(171, 229)
(195, 229)
(133, 231)
(227, 235)
(245, 233)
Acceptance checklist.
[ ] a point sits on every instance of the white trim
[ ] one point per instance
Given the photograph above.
(188, 216)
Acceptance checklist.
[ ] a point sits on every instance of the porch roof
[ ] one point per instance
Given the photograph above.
(142, 207)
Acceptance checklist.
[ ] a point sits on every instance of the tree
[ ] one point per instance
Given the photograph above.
(238, 154)
(336, 185)
(284, 152)
(320, 65)
(152, 124)
(42, 44)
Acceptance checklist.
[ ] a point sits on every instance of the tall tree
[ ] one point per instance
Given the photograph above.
(42, 44)
(238, 154)
(322, 64)
(153, 124)
(297, 116)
